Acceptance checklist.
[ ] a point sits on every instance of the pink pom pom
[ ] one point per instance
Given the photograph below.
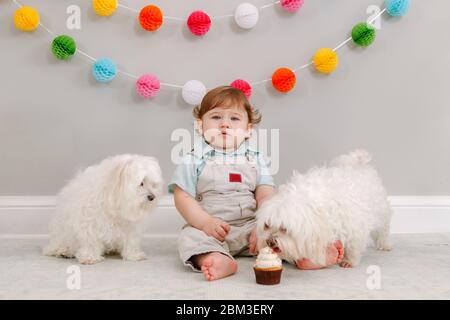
(292, 5)
(148, 86)
(242, 85)
(199, 23)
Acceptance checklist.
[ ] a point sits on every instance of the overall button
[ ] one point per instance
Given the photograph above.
(199, 197)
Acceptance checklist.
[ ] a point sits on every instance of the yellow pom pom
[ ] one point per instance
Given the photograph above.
(26, 19)
(104, 8)
(326, 60)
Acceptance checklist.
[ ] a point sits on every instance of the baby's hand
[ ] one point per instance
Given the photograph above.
(216, 228)
(252, 242)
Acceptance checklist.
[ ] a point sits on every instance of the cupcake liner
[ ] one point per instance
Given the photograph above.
(268, 277)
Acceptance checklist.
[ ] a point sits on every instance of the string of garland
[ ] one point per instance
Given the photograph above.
(151, 17)
(104, 70)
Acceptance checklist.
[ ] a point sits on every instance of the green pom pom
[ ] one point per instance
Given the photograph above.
(363, 34)
(63, 47)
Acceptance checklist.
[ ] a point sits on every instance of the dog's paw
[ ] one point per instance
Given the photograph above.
(60, 252)
(384, 247)
(346, 264)
(88, 256)
(134, 256)
(90, 260)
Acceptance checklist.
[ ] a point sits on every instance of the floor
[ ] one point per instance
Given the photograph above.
(417, 268)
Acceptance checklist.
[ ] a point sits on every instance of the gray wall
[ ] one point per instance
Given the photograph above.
(392, 98)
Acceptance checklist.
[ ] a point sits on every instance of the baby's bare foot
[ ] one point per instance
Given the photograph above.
(216, 266)
(335, 255)
(340, 249)
(306, 264)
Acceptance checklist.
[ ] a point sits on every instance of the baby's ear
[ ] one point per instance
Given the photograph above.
(248, 134)
(199, 126)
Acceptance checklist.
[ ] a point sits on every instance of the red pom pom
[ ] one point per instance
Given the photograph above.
(242, 85)
(284, 80)
(151, 18)
(199, 23)
(292, 5)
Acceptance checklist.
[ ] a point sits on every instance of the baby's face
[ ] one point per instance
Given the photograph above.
(225, 128)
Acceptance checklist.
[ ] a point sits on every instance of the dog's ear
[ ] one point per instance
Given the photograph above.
(310, 234)
(319, 250)
(117, 180)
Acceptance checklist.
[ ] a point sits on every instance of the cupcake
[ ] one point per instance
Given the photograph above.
(268, 267)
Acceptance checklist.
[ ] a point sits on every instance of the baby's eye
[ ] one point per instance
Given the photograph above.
(216, 117)
(235, 119)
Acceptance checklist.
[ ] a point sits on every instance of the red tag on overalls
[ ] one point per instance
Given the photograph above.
(235, 177)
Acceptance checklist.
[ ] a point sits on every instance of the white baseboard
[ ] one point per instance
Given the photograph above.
(22, 216)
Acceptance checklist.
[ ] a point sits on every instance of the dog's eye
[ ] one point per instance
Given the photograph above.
(266, 226)
(283, 229)
(142, 184)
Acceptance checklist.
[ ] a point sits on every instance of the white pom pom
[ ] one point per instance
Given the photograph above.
(193, 92)
(246, 15)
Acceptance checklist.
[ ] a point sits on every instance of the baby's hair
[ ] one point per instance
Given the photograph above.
(226, 96)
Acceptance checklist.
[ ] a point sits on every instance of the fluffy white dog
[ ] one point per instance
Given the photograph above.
(100, 209)
(345, 201)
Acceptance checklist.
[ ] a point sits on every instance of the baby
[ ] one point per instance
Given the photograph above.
(220, 184)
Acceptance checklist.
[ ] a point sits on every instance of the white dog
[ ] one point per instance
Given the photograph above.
(345, 201)
(101, 209)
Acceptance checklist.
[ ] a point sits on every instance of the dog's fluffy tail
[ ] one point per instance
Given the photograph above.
(355, 158)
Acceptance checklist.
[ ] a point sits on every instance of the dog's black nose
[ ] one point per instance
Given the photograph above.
(271, 242)
(151, 197)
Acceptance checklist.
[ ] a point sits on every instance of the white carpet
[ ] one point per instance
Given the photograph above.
(417, 268)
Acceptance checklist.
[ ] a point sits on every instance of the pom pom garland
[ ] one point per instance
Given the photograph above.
(326, 60)
(104, 8)
(246, 15)
(397, 8)
(193, 92)
(242, 85)
(63, 47)
(363, 34)
(199, 23)
(292, 6)
(104, 70)
(26, 19)
(148, 86)
(284, 80)
(151, 18)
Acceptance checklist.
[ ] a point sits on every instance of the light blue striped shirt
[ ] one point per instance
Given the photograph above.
(187, 173)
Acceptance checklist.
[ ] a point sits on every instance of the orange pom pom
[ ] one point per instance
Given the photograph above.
(284, 80)
(151, 18)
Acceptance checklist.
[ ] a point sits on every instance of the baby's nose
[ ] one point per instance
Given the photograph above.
(224, 124)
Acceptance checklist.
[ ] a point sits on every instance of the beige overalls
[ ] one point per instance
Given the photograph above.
(225, 189)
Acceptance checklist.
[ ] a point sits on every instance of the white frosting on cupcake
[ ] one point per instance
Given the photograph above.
(267, 259)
